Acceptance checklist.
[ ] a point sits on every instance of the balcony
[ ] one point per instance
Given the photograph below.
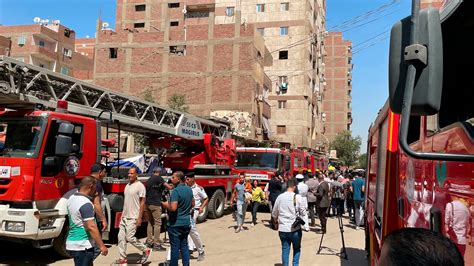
(200, 4)
(43, 53)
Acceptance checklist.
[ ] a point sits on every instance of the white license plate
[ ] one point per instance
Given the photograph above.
(5, 171)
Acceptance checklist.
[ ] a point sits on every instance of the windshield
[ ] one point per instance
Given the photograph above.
(257, 160)
(19, 136)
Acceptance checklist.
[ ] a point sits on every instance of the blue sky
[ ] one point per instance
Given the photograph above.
(370, 78)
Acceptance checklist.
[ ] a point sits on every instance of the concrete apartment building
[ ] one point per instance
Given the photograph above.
(177, 47)
(432, 3)
(48, 45)
(293, 30)
(337, 97)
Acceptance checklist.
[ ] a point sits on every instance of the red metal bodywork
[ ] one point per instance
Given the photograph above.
(415, 193)
(30, 185)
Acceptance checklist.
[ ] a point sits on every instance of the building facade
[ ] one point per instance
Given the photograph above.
(85, 47)
(166, 48)
(50, 46)
(432, 3)
(5, 45)
(337, 97)
(293, 32)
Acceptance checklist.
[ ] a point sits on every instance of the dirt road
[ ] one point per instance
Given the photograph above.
(257, 245)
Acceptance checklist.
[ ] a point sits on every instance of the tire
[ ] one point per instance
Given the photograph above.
(59, 243)
(202, 217)
(216, 204)
(115, 202)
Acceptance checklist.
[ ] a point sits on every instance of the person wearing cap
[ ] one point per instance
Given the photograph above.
(303, 192)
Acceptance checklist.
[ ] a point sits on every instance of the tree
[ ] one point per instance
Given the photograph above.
(362, 161)
(347, 147)
(178, 102)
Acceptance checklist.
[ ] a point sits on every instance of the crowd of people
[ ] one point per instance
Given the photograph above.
(183, 205)
(294, 204)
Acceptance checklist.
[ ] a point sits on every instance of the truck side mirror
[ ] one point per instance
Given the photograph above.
(66, 128)
(429, 78)
(63, 145)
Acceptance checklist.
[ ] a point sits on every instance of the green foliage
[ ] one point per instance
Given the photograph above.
(148, 95)
(362, 164)
(347, 147)
(178, 102)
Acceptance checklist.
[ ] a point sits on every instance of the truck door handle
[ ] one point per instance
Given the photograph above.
(401, 207)
(435, 219)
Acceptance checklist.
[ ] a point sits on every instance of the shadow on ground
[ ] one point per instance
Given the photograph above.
(21, 254)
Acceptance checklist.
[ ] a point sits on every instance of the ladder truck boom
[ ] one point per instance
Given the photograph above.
(23, 86)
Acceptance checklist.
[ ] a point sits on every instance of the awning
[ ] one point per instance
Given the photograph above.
(266, 127)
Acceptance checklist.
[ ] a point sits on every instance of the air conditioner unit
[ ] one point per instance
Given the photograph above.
(320, 98)
(284, 86)
(260, 98)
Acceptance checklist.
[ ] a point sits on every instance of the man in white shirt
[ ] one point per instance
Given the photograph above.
(200, 202)
(133, 206)
(303, 192)
(457, 222)
(287, 207)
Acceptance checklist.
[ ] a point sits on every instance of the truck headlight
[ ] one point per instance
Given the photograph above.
(15, 226)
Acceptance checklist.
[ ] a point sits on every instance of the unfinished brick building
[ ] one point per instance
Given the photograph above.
(168, 48)
(337, 98)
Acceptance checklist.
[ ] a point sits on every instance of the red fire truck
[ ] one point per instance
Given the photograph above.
(316, 160)
(53, 133)
(421, 146)
(262, 163)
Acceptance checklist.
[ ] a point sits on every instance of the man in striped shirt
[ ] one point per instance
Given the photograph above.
(83, 232)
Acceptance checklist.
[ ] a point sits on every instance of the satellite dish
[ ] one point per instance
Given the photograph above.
(184, 11)
(56, 21)
(105, 25)
(46, 21)
(36, 19)
(87, 36)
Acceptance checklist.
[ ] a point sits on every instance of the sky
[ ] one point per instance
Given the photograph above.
(365, 22)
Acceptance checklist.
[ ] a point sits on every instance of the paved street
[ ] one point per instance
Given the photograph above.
(257, 245)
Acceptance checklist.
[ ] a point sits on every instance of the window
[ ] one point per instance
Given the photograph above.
(348, 127)
(174, 23)
(113, 52)
(140, 8)
(173, 5)
(281, 104)
(309, 132)
(67, 33)
(349, 92)
(41, 43)
(283, 31)
(21, 40)
(260, 8)
(381, 165)
(261, 31)
(139, 25)
(285, 6)
(65, 70)
(283, 55)
(67, 52)
(229, 11)
(281, 129)
(179, 50)
(348, 105)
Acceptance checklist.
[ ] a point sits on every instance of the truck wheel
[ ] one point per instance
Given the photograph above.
(115, 202)
(216, 204)
(202, 217)
(59, 243)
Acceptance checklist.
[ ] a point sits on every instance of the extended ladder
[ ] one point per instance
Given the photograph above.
(22, 86)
